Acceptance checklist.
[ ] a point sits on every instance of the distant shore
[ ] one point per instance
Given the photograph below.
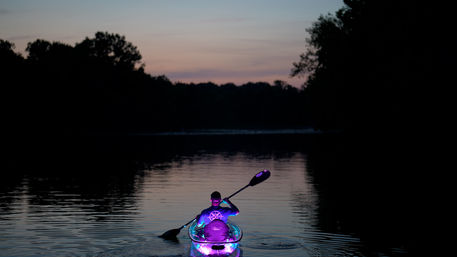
(222, 132)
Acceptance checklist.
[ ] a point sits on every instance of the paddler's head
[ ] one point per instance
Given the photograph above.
(216, 198)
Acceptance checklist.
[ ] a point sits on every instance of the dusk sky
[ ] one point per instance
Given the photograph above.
(186, 40)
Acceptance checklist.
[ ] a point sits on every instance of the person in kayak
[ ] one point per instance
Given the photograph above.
(216, 212)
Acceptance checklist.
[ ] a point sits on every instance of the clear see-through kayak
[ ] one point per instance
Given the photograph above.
(207, 244)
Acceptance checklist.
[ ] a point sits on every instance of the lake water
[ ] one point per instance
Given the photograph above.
(158, 183)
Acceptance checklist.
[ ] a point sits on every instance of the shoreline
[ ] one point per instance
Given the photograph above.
(230, 132)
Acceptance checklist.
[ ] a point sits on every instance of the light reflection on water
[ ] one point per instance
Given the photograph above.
(122, 215)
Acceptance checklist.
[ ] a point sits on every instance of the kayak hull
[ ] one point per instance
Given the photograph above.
(203, 247)
(215, 250)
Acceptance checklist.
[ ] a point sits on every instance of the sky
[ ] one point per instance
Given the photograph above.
(187, 40)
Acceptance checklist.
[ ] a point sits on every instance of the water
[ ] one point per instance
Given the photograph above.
(119, 210)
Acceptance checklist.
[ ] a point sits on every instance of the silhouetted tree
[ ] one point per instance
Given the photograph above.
(112, 49)
(368, 64)
(11, 63)
(38, 49)
(12, 70)
(7, 53)
(57, 58)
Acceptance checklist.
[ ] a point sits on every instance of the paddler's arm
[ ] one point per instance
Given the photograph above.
(232, 206)
(199, 222)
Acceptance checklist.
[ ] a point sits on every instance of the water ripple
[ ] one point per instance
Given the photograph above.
(273, 243)
(122, 214)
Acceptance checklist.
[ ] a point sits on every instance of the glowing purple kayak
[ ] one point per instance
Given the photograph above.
(216, 240)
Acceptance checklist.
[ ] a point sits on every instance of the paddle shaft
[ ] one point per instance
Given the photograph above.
(238, 191)
(183, 226)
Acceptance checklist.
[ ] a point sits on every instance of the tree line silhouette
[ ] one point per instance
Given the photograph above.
(372, 65)
(367, 67)
(99, 87)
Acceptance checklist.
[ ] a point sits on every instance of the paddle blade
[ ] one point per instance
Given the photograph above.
(171, 234)
(260, 177)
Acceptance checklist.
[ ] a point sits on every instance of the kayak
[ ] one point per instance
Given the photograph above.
(207, 245)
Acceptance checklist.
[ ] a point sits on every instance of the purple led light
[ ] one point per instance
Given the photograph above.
(207, 249)
(259, 174)
(216, 231)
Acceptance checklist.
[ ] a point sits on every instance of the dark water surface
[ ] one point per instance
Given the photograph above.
(118, 203)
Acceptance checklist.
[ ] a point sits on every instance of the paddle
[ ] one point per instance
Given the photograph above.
(257, 179)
